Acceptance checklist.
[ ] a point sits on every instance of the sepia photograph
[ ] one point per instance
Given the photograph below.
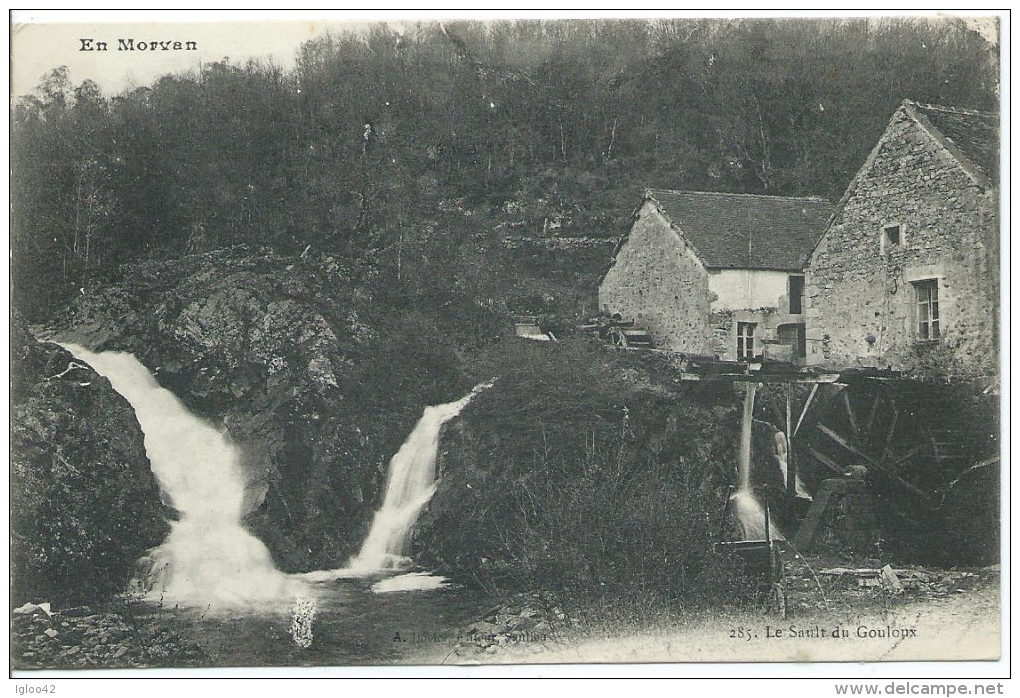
(403, 340)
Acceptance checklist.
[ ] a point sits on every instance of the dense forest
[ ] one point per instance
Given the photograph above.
(416, 150)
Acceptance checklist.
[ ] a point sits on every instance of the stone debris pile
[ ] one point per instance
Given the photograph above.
(526, 620)
(83, 638)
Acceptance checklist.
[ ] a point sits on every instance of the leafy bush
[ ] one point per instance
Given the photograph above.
(585, 472)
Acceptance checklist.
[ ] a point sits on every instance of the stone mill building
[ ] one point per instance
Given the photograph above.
(906, 274)
(715, 274)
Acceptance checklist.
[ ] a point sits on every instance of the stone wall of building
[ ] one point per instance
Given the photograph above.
(658, 281)
(750, 295)
(722, 330)
(860, 292)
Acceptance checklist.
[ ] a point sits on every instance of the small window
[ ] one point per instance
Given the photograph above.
(796, 295)
(745, 340)
(892, 237)
(928, 319)
(892, 234)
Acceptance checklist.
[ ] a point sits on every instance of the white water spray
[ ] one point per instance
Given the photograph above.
(208, 558)
(410, 484)
(747, 510)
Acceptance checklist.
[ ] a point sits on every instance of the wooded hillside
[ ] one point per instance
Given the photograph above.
(419, 150)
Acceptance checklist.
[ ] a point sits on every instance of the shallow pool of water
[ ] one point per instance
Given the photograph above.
(352, 625)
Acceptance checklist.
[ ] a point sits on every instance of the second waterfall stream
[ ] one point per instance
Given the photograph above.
(209, 558)
(410, 484)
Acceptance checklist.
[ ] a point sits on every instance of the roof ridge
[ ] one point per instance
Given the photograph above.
(951, 146)
(952, 110)
(726, 193)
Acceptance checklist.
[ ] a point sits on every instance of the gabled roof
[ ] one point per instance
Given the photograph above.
(745, 231)
(972, 137)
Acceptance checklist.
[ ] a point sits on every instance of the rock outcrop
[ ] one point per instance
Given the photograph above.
(84, 503)
(315, 379)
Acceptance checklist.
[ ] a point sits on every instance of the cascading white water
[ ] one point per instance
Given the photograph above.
(783, 458)
(748, 512)
(409, 486)
(208, 557)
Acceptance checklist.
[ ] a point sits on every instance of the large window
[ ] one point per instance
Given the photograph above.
(796, 295)
(745, 340)
(927, 309)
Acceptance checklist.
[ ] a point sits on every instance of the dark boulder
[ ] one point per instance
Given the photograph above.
(84, 503)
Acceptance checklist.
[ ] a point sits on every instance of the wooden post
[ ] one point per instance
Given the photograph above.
(725, 511)
(791, 465)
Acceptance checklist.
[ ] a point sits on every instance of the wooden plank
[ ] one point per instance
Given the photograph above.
(825, 460)
(791, 466)
(976, 466)
(850, 412)
(871, 414)
(806, 533)
(909, 454)
(764, 378)
(832, 434)
(871, 461)
(811, 396)
(889, 434)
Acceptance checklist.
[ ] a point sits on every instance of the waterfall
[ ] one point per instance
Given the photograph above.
(410, 484)
(747, 510)
(208, 557)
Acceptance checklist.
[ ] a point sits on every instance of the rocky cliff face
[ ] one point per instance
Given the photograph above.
(84, 503)
(315, 379)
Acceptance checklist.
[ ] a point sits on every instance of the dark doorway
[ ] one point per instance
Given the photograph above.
(794, 335)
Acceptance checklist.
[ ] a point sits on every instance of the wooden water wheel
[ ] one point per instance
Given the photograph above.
(906, 433)
(913, 438)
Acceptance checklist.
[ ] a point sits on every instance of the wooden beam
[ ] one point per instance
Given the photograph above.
(753, 377)
(825, 460)
(982, 464)
(810, 397)
(889, 434)
(909, 454)
(871, 414)
(791, 466)
(816, 513)
(850, 412)
(871, 461)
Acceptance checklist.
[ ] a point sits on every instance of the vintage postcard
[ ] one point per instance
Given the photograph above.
(446, 341)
